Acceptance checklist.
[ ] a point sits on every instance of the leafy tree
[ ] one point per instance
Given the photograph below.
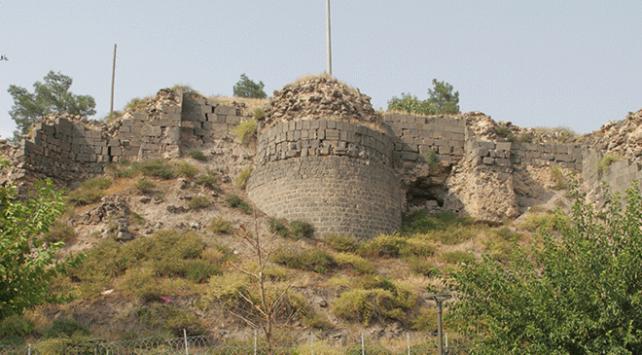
(27, 262)
(246, 87)
(49, 96)
(441, 99)
(576, 292)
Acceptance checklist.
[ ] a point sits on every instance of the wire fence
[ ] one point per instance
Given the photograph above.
(197, 345)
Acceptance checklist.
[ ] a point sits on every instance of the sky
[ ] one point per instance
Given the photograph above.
(545, 63)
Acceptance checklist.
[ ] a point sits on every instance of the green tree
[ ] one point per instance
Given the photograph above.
(27, 262)
(441, 99)
(577, 291)
(246, 87)
(50, 96)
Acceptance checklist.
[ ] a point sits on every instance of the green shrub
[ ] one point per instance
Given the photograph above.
(170, 318)
(543, 222)
(258, 114)
(420, 221)
(52, 346)
(245, 132)
(385, 246)
(185, 169)
(15, 327)
(157, 168)
(308, 259)
(503, 131)
(418, 246)
(235, 201)
(371, 348)
(123, 169)
(560, 181)
(508, 234)
(60, 231)
(161, 254)
(243, 177)
(455, 235)
(220, 225)
(145, 186)
(355, 262)
(279, 227)
(426, 320)
(197, 155)
(606, 161)
(208, 180)
(423, 266)
(370, 305)
(199, 270)
(317, 321)
(65, 327)
(199, 203)
(342, 242)
(300, 229)
(135, 104)
(458, 257)
(432, 159)
(89, 191)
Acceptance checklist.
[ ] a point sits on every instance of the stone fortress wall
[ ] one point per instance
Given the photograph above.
(447, 136)
(337, 175)
(70, 149)
(343, 176)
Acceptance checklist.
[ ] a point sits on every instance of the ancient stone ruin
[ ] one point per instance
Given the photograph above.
(323, 155)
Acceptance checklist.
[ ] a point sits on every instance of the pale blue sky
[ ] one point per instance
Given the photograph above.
(574, 63)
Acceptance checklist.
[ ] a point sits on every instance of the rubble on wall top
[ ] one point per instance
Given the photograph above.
(622, 138)
(319, 97)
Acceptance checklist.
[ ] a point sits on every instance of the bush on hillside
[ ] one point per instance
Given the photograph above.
(308, 259)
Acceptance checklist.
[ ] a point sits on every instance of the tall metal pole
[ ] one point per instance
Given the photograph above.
(328, 38)
(113, 79)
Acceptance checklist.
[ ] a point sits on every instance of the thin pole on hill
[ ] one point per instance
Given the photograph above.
(113, 79)
(328, 38)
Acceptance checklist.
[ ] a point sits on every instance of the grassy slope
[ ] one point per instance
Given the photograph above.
(167, 281)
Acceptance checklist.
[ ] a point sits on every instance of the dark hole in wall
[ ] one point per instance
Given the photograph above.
(422, 191)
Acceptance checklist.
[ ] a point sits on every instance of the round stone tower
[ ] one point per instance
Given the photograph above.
(324, 157)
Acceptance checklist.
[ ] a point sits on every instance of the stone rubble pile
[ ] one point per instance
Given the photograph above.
(319, 97)
(152, 107)
(623, 138)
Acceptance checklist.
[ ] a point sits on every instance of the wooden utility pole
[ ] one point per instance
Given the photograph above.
(328, 38)
(113, 79)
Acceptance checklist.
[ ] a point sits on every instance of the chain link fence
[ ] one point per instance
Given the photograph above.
(197, 345)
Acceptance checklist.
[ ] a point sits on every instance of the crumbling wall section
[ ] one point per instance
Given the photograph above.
(205, 122)
(66, 149)
(420, 136)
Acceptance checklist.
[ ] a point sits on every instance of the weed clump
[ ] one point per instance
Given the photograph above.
(309, 260)
(243, 177)
(220, 225)
(90, 191)
(245, 132)
(199, 203)
(342, 242)
(145, 186)
(235, 201)
(197, 155)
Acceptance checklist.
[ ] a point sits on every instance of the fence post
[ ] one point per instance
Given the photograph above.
(185, 339)
(256, 347)
(363, 345)
(408, 342)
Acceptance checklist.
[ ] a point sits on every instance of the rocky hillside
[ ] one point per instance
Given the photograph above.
(164, 252)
